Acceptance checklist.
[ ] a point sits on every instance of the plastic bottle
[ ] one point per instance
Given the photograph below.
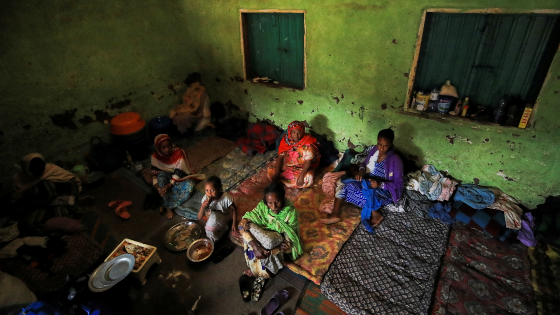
(500, 112)
(465, 107)
(421, 101)
(457, 109)
(434, 97)
(413, 103)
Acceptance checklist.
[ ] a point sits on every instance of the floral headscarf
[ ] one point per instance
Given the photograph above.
(287, 143)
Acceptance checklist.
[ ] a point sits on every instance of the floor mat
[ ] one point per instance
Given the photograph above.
(483, 275)
(314, 302)
(545, 271)
(391, 271)
(321, 243)
(207, 151)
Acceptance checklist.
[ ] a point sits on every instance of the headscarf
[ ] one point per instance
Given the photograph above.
(24, 180)
(287, 143)
(177, 160)
(286, 221)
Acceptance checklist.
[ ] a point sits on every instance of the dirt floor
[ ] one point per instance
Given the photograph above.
(173, 286)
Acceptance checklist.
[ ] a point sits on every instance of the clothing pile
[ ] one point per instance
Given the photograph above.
(431, 183)
(261, 137)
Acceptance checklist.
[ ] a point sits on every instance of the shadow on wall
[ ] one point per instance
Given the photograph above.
(319, 124)
(405, 144)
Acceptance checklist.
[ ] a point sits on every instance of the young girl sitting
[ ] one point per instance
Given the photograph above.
(219, 209)
(269, 231)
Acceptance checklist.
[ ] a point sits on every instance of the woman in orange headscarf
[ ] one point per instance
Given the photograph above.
(298, 157)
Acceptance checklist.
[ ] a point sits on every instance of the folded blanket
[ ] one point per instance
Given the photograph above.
(329, 188)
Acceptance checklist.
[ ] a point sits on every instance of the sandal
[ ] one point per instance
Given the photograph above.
(258, 287)
(122, 212)
(245, 287)
(275, 302)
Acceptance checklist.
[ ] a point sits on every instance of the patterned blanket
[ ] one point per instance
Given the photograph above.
(390, 272)
(482, 275)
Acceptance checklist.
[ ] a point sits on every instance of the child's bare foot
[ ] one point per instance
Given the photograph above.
(169, 213)
(332, 220)
(248, 273)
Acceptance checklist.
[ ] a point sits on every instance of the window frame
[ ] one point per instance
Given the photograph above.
(412, 73)
(245, 46)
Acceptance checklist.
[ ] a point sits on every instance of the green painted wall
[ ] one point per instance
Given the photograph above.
(62, 55)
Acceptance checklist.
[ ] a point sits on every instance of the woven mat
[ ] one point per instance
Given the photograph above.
(207, 151)
(314, 302)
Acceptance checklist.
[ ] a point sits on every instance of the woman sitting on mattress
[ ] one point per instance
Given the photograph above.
(377, 182)
(171, 174)
(269, 231)
(298, 157)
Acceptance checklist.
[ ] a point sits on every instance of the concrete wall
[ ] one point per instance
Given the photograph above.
(63, 61)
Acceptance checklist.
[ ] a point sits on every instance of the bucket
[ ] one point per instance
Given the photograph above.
(445, 103)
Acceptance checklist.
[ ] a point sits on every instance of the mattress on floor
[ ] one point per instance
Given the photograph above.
(392, 271)
(482, 275)
(321, 243)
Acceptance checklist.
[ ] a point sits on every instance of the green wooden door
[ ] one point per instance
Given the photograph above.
(487, 56)
(276, 47)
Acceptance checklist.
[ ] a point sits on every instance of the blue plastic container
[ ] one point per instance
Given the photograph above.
(161, 124)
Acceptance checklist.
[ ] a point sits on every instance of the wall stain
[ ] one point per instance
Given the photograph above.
(384, 106)
(86, 120)
(170, 86)
(351, 145)
(450, 138)
(300, 102)
(65, 120)
(394, 41)
(361, 112)
(342, 95)
(405, 74)
(515, 135)
(501, 173)
(486, 140)
(271, 114)
(476, 181)
(413, 157)
(336, 99)
(121, 104)
(102, 116)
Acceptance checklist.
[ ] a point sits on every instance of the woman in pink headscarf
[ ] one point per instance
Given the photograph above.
(298, 157)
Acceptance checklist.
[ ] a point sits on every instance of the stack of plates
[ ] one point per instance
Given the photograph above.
(111, 272)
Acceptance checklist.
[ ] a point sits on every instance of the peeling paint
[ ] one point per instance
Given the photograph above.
(476, 181)
(501, 173)
(121, 104)
(486, 140)
(515, 135)
(271, 114)
(300, 102)
(172, 88)
(65, 120)
(351, 145)
(102, 116)
(450, 138)
(336, 99)
(405, 74)
(342, 95)
(361, 112)
(394, 41)
(384, 106)
(86, 120)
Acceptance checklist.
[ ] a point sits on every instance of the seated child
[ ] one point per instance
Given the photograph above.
(219, 209)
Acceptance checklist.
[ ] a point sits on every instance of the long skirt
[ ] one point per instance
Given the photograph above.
(176, 195)
(290, 175)
(352, 192)
(269, 240)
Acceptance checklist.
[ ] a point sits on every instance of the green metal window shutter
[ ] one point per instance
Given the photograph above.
(487, 56)
(276, 47)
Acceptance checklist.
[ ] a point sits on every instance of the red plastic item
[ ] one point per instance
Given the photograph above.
(127, 123)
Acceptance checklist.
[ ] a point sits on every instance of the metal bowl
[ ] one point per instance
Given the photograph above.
(172, 240)
(200, 250)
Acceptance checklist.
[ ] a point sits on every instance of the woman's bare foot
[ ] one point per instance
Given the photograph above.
(248, 273)
(332, 220)
(376, 218)
(169, 213)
